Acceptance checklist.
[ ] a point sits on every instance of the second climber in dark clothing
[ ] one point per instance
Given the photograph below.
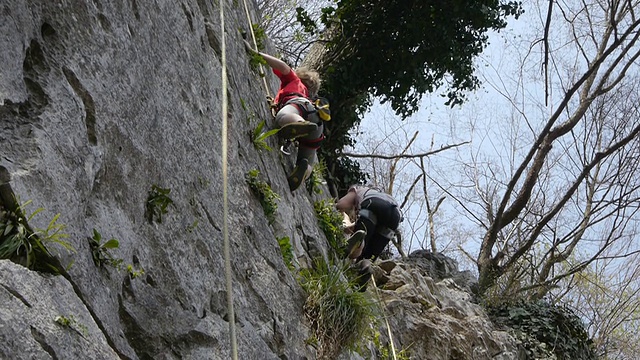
(377, 219)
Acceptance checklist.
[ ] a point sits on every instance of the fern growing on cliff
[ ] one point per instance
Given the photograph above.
(24, 245)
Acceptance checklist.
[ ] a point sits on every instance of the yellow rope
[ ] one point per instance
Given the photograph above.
(255, 44)
(225, 202)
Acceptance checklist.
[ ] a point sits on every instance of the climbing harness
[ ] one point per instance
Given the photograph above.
(320, 105)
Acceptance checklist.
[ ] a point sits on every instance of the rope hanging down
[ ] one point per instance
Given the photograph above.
(384, 315)
(225, 186)
(255, 44)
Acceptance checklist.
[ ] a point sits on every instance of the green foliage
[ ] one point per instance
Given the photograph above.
(100, 251)
(545, 328)
(261, 36)
(397, 51)
(287, 251)
(385, 352)
(256, 59)
(133, 273)
(101, 255)
(26, 246)
(71, 322)
(157, 203)
(264, 193)
(258, 137)
(193, 226)
(339, 316)
(309, 26)
(316, 179)
(432, 43)
(331, 223)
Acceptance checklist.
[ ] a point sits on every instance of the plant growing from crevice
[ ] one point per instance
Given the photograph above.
(259, 137)
(268, 198)
(157, 203)
(287, 251)
(256, 60)
(71, 323)
(331, 223)
(545, 329)
(339, 316)
(133, 272)
(101, 255)
(100, 251)
(384, 351)
(24, 245)
(316, 179)
(191, 228)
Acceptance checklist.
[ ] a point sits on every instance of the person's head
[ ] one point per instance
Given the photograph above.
(310, 79)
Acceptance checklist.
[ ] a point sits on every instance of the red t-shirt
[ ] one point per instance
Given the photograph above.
(289, 83)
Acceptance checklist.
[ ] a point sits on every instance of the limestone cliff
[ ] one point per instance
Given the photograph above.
(101, 104)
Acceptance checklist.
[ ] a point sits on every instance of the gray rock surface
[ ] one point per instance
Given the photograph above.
(99, 102)
(437, 319)
(46, 319)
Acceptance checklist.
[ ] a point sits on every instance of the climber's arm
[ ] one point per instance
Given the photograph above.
(347, 202)
(274, 62)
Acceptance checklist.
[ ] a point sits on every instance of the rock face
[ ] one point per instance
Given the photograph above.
(433, 317)
(101, 103)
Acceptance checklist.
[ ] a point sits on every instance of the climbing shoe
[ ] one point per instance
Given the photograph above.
(297, 129)
(297, 175)
(355, 244)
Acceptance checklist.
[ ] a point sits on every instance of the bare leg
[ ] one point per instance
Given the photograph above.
(288, 115)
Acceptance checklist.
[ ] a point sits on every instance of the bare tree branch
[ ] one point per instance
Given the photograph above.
(404, 156)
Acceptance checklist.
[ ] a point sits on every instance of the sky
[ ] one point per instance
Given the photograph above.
(495, 126)
(476, 123)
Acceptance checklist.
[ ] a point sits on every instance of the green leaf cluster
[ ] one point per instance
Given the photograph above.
(330, 221)
(26, 246)
(316, 179)
(339, 316)
(404, 49)
(100, 251)
(552, 328)
(133, 273)
(157, 203)
(287, 251)
(268, 198)
(256, 59)
(386, 352)
(259, 137)
(71, 322)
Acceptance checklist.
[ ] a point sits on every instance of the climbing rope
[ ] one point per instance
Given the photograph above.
(255, 44)
(384, 315)
(225, 202)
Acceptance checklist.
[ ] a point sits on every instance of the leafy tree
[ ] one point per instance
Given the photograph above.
(399, 50)
(396, 50)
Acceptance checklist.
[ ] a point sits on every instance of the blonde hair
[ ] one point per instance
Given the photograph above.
(310, 79)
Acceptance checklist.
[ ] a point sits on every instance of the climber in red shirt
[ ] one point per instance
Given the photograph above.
(296, 114)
